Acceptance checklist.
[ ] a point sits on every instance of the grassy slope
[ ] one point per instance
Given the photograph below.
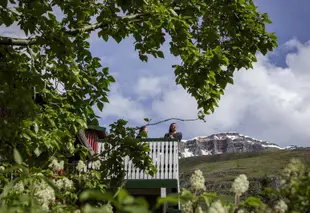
(220, 170)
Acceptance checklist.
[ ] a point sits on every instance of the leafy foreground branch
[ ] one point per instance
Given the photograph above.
(49, 191)
(73, 32)
(213, 39)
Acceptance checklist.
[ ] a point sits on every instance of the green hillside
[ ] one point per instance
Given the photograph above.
(220, 170)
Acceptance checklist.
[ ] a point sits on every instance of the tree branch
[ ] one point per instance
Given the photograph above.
(86, 28)
(169, 119)
(17, 41)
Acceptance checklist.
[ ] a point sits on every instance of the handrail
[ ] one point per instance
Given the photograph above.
(148, 140)
(158, 140)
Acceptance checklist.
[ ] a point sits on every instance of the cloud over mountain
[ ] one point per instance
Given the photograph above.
(268, 102)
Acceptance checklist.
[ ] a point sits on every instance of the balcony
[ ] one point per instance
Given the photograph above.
(165, 155)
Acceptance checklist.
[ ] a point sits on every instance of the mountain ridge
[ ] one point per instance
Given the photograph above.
(225, 142)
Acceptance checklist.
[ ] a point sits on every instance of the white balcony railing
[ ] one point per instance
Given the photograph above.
(165, 156)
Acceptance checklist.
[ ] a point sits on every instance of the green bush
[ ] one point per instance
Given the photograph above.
(25, 189)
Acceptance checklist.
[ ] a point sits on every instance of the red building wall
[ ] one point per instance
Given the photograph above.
(92, 137)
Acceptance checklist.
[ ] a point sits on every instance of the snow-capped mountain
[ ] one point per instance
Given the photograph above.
(229, 142)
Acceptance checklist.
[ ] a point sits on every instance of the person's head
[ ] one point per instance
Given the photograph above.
(143, 129)
(173, 127)
(143, 132)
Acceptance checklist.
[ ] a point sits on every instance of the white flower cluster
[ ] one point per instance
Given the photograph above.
(240, 185)
(96, 164)
(217, 207)
(19, 187)
(280, 207)
(197, 181)
(64, 183)
(58, 166)
(291, 173)
(199, 210)
(293, 167)
(187, 207)
(44, 193)
(2, 168)
(81, 165)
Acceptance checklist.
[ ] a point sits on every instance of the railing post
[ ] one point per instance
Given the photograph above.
(163, 194)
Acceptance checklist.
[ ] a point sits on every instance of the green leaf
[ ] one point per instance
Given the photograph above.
(170, 199)
(100, 106)
(95, 195)
(122, 194)
(26, 136)
(37, 152)
(143, 134)
(36, 127)
(253, 202)
(105, 37)
(136, 209)
(173, 12)
(160, 54)
(17, 156)
(111, 79)
(117, 38)
(104, 99)
(143, 57)
(230, 80)
(146, 120)
(11, 169)
(4, 3)
(128, 200)
(208, 197)
(105, 70)
(7, 19)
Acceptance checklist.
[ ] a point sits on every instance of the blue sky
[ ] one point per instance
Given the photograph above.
(270, 102)
(267, 109)
(290, 19)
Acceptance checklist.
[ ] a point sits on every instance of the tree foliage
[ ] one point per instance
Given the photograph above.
(50, 80)
(213, 39)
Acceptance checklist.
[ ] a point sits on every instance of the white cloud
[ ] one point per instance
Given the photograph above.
(122, 107)
(175, 103)
(151, 86)
(107, 61)
(299, 61)
(268, 102)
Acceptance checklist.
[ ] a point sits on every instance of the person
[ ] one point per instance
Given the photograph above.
(173, 134)
(142, 132)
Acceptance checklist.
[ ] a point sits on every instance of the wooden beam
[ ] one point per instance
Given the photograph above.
(145, 191)
(82, 138)
(151, 183)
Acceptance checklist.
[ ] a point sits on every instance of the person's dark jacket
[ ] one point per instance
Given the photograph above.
(177, 135)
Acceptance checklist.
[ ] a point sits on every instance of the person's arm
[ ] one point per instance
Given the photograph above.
(178, 135)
